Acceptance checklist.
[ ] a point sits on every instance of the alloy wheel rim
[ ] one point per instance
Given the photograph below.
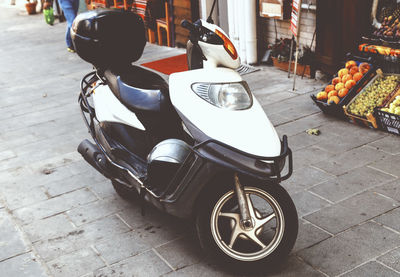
(239, 232)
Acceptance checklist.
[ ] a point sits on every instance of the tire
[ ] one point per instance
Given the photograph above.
(217, 220)
(124, 192)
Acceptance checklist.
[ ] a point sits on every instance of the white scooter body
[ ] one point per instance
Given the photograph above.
(247, 130)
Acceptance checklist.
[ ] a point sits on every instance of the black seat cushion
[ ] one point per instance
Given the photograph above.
(146, 94)
(140, 90)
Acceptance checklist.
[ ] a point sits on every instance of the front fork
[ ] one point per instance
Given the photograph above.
(245, 217)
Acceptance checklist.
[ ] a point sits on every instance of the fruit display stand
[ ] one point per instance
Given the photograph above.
(388, 118)
(361, 109)
(336, 109)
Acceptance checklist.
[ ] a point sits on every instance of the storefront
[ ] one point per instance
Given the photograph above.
(366, 87)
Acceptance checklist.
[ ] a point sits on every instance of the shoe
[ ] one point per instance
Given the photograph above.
(71, 50)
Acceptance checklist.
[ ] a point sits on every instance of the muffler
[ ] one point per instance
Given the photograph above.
(95, 157)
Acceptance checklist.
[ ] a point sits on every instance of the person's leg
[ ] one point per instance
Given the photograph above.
(70, 12)
(76, 6)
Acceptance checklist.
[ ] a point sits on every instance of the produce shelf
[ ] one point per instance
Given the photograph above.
(337, 110)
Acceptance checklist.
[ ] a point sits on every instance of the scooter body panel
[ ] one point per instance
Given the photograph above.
(247, 130)
(109, 109)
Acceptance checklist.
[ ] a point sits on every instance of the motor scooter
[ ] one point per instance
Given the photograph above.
(200, 148)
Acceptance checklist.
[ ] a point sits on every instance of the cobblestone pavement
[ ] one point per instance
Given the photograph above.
(59, 217)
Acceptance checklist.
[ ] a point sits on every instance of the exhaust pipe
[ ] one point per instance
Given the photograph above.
(93, 155)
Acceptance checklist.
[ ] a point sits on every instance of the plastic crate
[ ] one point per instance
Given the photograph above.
(337, 110)
(388, 122)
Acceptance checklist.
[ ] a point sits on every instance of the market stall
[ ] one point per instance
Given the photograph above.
(366, 88)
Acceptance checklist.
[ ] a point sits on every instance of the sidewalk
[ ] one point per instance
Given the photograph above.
(59, 217)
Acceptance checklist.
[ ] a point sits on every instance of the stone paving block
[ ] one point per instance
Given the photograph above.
(144, 265)
(89, 234)
(309, 155)
(11, 241)
(308, 235)
(74, 182)
(300, 125)
(76, 264)
(351, 212)
(49, 228)
(391, 259)
(155, 227)
(201, 270)
(350, 160)
(342, 136)
(54, 205)
(26, 195)
(25, 265)
(388, 144)
(122, 246)
(305, 178)
(350, 183)
(6, 155)
(391, 189)
(372, 269)
(307, 203)
(267, 99)
(390, 219)
(103, 189)
(277, 119)
(96, 210)
(294, 267)
(301, 110)
(182, 252)
(303, 140)
(349, 249)
(390, 165)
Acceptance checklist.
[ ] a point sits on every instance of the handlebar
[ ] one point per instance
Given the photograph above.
(188, 25)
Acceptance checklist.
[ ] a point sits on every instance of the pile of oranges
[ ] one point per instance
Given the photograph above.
(341, 85)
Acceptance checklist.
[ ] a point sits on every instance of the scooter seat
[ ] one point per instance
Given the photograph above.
(138, 89)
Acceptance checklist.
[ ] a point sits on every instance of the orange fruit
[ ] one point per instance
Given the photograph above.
(333, 99)
(349, 84)
(332, 93)
(336, 80)
(350, 64)
(322, 95)
(354, 70)
(347, 78)
(342, 72)
(329, 88)
(357, 77)
(339, 86)
(363, 68)
(343, 92)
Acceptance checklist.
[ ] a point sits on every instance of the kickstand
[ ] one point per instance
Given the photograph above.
(142, 194)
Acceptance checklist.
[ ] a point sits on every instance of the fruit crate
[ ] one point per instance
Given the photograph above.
(387, 121)
(370, 119)
(337, 110)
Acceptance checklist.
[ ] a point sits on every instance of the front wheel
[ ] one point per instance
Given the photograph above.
(268, 242)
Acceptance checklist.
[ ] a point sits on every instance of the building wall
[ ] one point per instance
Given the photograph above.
(307, 28)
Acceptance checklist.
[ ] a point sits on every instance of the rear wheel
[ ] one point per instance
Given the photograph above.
(268, 242)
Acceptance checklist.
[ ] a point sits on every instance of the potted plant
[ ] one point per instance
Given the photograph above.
(280, 53)
(31, 6)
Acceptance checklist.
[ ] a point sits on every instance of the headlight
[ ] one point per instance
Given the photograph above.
(232, 96)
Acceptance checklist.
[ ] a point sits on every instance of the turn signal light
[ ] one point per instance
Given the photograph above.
(228, 45)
